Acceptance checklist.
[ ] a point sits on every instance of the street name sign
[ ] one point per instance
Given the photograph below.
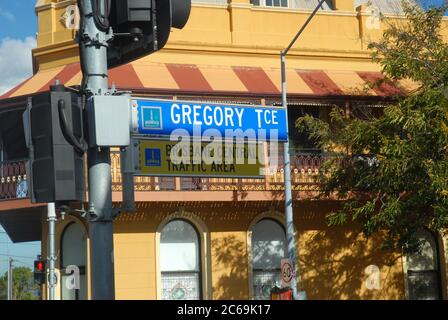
(163, 118)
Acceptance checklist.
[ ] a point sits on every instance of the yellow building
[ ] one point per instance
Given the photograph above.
(216, 238)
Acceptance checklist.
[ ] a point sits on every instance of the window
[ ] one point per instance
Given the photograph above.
(180, 261)
(73, 253)
(268, 249)
(270, 3)
(210, 1)
(423, 269)
(300, 141)
(294, 4)
(276, 3)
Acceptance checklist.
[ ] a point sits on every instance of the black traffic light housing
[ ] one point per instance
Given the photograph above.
(39, 271)
(54, 134)
(142, 27)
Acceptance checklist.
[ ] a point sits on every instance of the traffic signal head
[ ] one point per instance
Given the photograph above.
(39, 266)
(142, 27)
(39, 271)
(54, 134)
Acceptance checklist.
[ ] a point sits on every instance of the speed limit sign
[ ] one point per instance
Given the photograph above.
(287, 273)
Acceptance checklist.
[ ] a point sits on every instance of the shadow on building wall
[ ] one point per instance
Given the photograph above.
(333, 262)
(230, 264)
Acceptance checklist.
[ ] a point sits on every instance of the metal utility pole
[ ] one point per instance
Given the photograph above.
(10, 281)
(93, 52)
(289, 215)
(51, 218)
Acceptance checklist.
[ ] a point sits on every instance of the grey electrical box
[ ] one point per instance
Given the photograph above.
(109, 120)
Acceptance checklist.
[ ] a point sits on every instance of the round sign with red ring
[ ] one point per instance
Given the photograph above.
(287, 272)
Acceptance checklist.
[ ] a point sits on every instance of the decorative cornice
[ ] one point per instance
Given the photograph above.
(53, 5)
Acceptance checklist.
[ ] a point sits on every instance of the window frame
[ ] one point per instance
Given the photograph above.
(437, 272)
(62, 269)
(262, 3)
(199, 272)
(270, 215)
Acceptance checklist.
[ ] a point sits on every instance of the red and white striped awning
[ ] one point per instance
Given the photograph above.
(171, 78)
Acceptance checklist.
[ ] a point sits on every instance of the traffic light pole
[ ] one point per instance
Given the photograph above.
(93, 52)
(10, 282)
(51, 214)
(289, 214)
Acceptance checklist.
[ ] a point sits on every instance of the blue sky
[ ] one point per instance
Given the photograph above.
(427, 3)
(436, 3)
(18, 27)
(17, 19)
(23, 253)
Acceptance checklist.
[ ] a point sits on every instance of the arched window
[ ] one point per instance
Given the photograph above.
(73, 255)
(180, 262)
(268, 249)
(423, 272)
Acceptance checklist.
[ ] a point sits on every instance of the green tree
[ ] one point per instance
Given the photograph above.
(392, 170)
(3, 288)
(24, 287)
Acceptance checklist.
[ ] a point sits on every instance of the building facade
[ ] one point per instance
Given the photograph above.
(222, 238)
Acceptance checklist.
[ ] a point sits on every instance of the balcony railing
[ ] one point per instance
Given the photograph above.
(305, 169)
(13, 180)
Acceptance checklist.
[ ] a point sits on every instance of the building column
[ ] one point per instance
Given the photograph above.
(369, 19)
(240, 21)
(444, 263)
(344, 5)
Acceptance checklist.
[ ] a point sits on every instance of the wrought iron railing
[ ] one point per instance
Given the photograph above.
(13, 180)
(305, 169)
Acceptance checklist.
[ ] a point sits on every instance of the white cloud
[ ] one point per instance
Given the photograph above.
(15, 61)
(7, 15)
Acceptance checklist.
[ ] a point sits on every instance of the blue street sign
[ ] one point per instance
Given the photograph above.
(162, 118)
